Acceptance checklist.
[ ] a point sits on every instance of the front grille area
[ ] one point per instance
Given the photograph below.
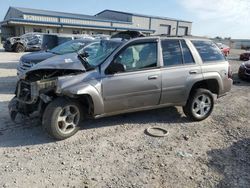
(24, 91)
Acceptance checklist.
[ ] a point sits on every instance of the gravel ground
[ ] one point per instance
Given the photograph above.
(115, 151)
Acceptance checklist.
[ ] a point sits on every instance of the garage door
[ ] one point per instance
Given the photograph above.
(182, 31)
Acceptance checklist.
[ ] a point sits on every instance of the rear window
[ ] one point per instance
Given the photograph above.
(171, 51)
(208, 51)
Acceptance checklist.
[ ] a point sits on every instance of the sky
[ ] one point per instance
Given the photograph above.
(224, 18)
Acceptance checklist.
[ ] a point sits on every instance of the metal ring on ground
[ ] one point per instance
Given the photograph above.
(150, 131)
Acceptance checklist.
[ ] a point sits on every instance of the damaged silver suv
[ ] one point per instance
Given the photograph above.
(124, 76)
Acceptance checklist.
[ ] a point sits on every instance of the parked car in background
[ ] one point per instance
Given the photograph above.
(124, 76)
(224, 48)
(244, 71)
(39, 41)
(245, 56)
(52, 40)
(26, 42)
(101, 36)
(29, 60)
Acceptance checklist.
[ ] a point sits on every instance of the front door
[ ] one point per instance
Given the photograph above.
(139, 85)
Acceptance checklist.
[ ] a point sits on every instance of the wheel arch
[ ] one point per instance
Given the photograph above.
(211, 84)
(88, 96)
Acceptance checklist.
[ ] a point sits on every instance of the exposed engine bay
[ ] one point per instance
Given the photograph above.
(37, 89)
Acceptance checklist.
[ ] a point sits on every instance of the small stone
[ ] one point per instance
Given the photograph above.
(63, 163)
(186, 137)
(161, 165)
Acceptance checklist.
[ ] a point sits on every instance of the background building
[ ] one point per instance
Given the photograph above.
(23, 20)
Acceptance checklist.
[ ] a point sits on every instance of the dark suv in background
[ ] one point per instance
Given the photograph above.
(29, 60)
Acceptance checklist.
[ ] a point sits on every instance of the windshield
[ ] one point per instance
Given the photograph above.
(68, 47)
(99, 51)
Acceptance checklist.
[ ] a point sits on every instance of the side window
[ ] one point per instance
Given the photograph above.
(171, 52)
(208, 51)
(187, 55)
(138, 56)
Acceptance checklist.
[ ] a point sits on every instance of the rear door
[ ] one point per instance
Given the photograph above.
(179, 72)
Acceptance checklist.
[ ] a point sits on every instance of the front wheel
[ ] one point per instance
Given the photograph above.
(199, 105)
(62, 117)
(19, 48)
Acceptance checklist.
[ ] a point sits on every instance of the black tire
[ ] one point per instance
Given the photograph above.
(51, 114)
(240, 76)
(189, 110)
(19, 48)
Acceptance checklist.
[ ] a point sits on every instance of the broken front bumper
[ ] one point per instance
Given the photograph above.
(29, 92)
(30, 97)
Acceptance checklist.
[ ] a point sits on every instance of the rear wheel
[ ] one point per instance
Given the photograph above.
(19, 48)
(199, 105)
(62, 117)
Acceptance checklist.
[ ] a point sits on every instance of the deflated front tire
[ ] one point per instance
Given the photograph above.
(62, 117)
(13, 108)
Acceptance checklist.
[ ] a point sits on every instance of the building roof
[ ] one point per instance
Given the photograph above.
(142, 15)
(59, 14)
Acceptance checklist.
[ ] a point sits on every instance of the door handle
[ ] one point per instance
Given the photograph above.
(193, 72)
(153, 77)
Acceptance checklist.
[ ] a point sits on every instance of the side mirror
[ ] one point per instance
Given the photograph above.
(115, 68)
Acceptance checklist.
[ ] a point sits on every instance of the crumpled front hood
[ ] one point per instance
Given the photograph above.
(36, 57)
(64, 62)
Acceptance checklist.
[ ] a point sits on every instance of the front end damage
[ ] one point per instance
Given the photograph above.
(34, 93)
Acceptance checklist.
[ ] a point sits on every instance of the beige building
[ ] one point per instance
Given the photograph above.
(19, 21)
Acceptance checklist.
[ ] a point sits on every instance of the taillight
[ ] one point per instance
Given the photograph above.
(230, 72)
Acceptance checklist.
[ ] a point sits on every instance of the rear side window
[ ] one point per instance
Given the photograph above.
(208, 51)
(187, 55)
(171, 51)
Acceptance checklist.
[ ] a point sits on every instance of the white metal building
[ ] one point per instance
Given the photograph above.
(23, 20)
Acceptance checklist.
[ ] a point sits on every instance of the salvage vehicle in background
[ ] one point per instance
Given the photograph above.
(224, 48)
(26, 42)
(124, 76)
(39, 41)
(244, 71)
(245, 56)
(29, 60)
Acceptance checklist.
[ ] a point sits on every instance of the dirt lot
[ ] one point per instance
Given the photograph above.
(115, 151)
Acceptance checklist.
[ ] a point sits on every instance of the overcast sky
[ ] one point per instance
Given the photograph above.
(226, 18)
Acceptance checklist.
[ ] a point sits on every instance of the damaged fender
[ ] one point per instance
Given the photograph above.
(85, 89)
